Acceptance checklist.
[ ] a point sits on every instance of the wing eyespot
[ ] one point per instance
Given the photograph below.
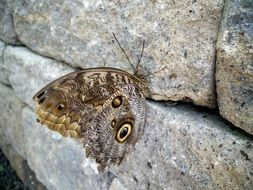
(124, 132)
(61, 106)
(117, 101)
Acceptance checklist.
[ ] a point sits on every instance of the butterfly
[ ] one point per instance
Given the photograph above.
(102, 107)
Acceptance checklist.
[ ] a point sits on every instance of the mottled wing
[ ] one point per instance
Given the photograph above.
(60, 105)
(104, 107)
(116, 127)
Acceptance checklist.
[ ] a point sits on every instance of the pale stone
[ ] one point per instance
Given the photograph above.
(12, 141)
(11, 131)
(187, 148)
(234, 76)
(181, 147)
(7, 30)
(117, 185)
(3, 70)
(29, 72)
(179, 34)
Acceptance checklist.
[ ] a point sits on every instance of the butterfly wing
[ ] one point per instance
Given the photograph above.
(105, 108)
(59, 105)
(116, 127)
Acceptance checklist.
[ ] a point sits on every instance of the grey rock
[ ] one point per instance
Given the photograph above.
(60, 163)
(234, 76)
(29, 72)
(12, 140)
(181, 148)
(187, 148)
(22, 169)
(11, 131)
(7, 30)
(179, 34)
(117, 185)
(4, 72)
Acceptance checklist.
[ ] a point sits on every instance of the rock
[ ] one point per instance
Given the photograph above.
(117, 184)
(3, 67)
(186, 147)
(7, 30)
(11, 132)
(59, 162)
(29, 72)
(179, 35)
(234, 73)
(23, 171)
(12, 137)
(181, 146)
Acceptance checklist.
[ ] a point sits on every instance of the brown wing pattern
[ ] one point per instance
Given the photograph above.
(103, 107)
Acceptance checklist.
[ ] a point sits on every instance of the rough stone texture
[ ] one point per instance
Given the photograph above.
(187, 148)
(3, 70)
(31, 69)
(182, 148)
(117, 184)
(11, 132)
(179, 34)
(22, 169)
(7, 31)
(12, 138)
(234, 76)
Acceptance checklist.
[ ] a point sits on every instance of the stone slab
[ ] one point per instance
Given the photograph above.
(234, 73)
(179, 34)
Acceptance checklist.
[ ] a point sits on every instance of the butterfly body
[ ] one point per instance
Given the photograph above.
(102, 107)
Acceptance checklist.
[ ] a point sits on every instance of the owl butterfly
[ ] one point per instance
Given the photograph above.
(102, 107)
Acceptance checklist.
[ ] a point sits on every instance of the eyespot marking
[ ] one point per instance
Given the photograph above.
(117, 101)
(124, 132)
(61, 106)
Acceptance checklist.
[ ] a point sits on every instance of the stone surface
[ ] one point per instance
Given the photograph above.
(29, 72)
(3, 70)
(7, 30)
(22, 169)
(183, 147)
(12, 138)
(179, 34)
(11, 132)
(234, 76)
(117, 184)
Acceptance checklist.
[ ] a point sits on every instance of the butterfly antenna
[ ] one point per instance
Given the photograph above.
(139, 57)
(123, 50)
(156, 71)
